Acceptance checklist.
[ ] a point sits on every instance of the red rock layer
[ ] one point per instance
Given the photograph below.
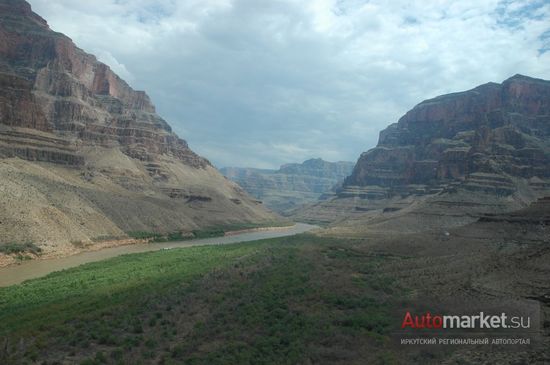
(48, 84)
(492, 130)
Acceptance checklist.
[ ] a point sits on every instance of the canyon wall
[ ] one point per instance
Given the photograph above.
(293, 184)
(479, 151)
(84, 157)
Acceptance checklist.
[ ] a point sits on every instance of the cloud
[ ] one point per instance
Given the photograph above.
(119, 68)
(262, 83)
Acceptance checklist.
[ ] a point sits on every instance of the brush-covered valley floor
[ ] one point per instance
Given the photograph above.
(293, 300)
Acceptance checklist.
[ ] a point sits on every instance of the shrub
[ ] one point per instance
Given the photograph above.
(13, 248)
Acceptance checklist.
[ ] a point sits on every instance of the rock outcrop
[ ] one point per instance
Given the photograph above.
(536, 214)
(293, 184)
(481, 138)
(83, 155)
(493, 140)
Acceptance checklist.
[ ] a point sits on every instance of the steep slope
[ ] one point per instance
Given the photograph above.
(479, 135)
(293, 184)
(83, 156)
(479, 151)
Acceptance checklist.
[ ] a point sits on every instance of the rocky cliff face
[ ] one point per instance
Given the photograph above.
(481, 139)
(293, 184)
(485, 150)
(83, 155)
(50, 85)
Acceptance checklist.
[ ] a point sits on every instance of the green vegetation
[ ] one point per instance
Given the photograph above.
(208, 232)
(277, 301)
(316, 222)
(17, 248)
(107, 238)
(157, 237)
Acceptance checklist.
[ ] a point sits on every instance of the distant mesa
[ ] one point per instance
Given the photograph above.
(293, 184)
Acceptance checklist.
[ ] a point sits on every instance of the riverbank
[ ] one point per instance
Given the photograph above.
(31, 269)
(18, 258)
(272, 301)
(258, 229)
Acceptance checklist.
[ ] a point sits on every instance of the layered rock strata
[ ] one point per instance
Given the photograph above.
(293, 184)
(480, 138)
(493, 140)
(83, 156)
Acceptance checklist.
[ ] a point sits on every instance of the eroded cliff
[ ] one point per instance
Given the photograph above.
(481, 138)
(84, 156)
(480, 151)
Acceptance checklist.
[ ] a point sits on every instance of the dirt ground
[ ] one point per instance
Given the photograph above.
(502, 264)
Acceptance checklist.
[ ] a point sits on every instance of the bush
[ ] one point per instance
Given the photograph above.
(158, 237)
(208, 233)
(141, 235)
(13, 248)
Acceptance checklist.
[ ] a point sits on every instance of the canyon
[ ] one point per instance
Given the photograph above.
(448, 213)
(292, 185)
(85, 158)
(448, 161)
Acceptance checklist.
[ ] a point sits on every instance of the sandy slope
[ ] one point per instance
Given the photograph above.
(57, 207)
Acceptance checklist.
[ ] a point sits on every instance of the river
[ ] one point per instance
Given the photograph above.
(37, 268)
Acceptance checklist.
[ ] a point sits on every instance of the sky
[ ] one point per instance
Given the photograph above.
(259, 83)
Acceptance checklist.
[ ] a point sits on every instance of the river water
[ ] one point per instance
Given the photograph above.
(37, 268)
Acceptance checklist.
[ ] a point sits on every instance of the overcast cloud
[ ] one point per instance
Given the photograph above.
(265, 82)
